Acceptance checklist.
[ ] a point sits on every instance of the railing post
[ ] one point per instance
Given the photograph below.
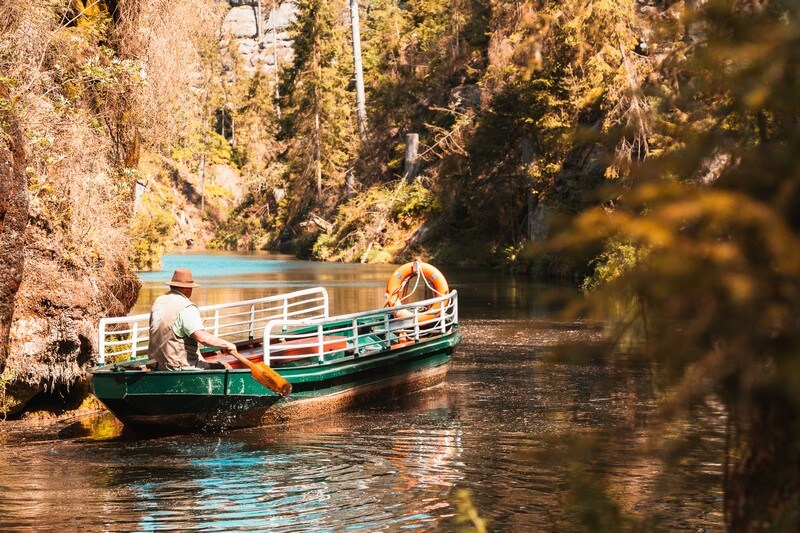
(265, 344)
(216, 322)
(355, 336)
(286, 309)
(326, 303)
(386, 328)
(321, 346)
(416, 324)
(134, 340)
(252, 333)
(101, 343)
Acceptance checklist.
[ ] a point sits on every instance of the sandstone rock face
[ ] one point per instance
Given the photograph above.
(259, 48)
(65, 203)
(240, 22)
(466, 97)
(53, 334)
(13, 219)
(49, 309)
(230, 177)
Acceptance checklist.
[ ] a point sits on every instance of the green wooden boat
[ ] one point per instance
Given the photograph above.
(332, 362)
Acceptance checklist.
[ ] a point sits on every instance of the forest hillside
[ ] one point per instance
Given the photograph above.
(495, 92)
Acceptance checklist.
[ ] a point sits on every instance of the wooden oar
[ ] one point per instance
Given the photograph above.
(266, 376)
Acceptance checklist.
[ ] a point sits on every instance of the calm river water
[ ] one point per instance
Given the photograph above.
(509, 425)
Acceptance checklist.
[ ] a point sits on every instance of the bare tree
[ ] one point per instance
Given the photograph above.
(275, 60)
(361, 109)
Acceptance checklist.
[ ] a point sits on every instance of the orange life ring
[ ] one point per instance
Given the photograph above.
(395, 289)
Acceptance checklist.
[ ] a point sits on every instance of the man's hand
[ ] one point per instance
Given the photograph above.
(227, 347)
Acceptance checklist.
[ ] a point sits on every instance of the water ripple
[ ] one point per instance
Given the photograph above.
(500, 426)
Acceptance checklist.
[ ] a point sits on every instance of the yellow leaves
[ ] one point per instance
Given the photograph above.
(741, 287)
(651, 232)
(611, 173)
(725, 245)
(597, 224)
(765, 58)
(91, 15)
(467, 516)
(722, 215)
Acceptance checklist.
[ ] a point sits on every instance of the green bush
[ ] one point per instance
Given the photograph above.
(619, 258)
(150, 235)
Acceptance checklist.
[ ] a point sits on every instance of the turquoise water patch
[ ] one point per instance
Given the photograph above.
(206, 265)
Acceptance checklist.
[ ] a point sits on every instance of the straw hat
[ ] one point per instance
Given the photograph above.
(182, 278)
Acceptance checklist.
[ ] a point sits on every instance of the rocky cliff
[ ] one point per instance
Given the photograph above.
(258, 30)
(13, 219)
(69, 139)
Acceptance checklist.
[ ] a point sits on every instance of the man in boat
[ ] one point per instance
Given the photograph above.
(176, 329)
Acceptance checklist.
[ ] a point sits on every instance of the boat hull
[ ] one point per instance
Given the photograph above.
(210, 400)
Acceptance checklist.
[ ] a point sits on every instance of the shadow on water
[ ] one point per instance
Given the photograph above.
(506, 425)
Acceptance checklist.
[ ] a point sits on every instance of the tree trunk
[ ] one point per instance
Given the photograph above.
(764, 493)
(203, 182)
(410, 165)
(457, 17)
(275, 63)
(361, 109)
(317, 130)
(349, 185)
(259, 25)
(317, 155)
(203, 154)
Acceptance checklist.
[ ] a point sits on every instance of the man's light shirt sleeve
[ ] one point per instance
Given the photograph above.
(188, 322)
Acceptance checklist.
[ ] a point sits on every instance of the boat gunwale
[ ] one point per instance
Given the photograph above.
(438, 342)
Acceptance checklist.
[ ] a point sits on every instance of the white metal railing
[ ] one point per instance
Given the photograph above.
(127, 337)
(359, 333)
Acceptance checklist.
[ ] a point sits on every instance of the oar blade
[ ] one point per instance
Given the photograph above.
(271, 379)
(265, 375)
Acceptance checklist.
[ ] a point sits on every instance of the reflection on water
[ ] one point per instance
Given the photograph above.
(503, 426)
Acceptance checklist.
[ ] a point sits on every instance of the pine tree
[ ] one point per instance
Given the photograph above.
(319, 122)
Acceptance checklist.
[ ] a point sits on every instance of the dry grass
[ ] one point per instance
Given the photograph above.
(170, 43)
